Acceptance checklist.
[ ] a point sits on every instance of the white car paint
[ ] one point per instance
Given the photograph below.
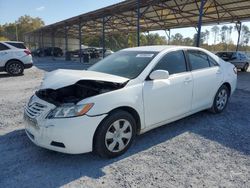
(14, 53)
(157, 102)
(61, 78)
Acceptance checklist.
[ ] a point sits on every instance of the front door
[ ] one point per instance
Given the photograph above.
(168, 98)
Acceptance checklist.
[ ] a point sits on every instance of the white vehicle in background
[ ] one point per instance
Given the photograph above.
(127, 93)
(14, 57)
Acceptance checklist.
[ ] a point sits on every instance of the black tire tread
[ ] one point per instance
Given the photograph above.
(99, 138)
(14, 61)
(214, 108)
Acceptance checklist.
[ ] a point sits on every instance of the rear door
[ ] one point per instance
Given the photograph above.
(207, 77)
(4, 51)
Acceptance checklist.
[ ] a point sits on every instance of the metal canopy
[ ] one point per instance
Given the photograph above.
(153, 15)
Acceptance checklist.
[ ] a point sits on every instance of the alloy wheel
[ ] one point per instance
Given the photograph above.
(15, 68)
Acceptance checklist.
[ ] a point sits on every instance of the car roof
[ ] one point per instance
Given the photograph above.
(158, 48)
(12, 41)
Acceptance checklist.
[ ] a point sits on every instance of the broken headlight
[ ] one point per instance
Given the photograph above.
(70, 110)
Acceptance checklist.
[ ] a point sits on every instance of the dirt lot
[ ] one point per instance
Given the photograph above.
(203, 150)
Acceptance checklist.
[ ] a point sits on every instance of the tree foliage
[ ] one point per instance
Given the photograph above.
(16, 30)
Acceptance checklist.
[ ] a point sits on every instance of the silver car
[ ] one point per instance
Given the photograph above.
(239, 59)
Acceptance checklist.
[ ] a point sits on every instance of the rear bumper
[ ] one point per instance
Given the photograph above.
(27, 66)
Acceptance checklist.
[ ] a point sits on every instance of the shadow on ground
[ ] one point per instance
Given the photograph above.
(230, 129)
(6, 75)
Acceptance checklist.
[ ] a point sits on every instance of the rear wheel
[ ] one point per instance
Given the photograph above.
(115, 134)
(220, 100)
(244, 69)
(14, 68)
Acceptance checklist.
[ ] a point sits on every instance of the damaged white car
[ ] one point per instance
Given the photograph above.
(127, 93)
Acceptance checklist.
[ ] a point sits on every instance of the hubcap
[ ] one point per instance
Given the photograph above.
(221, 99)
(118, 135)
(15, 68)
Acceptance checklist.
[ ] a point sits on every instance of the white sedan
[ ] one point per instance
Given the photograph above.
(126, 94)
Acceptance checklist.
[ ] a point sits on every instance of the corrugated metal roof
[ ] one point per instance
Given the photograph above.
(155, 15)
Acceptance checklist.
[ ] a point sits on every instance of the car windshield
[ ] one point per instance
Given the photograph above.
(127, 64)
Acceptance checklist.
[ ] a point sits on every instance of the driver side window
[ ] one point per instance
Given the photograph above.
(173, 62)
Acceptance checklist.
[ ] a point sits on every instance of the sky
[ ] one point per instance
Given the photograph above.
(52, 11)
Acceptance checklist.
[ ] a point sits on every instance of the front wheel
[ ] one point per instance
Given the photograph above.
(115, 134)
(220, 100)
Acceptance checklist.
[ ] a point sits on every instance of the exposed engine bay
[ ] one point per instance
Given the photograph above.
(78, 91)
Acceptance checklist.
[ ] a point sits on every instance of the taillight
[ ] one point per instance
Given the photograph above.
(27, 52)
(235, 70)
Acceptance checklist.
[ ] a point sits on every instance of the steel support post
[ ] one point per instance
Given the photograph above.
(103, 37)
(42, 39)
(39, 40)
(138, 22)
(66, 41)
(80, 40)
(200, 22)
(238, 27)
(34, 38)
(29, 41)
(168, 35)
(52, 42)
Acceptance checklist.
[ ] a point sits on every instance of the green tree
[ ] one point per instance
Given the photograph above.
(177, 39)
(223, 33)
(207, 33)
(202, 38)
(245, 35)
(187, 41)
(16, 30)
(215, 30)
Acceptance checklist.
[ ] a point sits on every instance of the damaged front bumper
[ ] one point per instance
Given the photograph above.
(67, 135)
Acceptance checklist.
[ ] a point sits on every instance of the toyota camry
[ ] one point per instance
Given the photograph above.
(128, 93)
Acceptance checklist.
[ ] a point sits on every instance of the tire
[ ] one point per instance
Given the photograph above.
(14, 68)
(220, 99)
(115, 134)
(245, 67)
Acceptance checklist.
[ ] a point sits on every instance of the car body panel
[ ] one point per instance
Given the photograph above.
(61, 78)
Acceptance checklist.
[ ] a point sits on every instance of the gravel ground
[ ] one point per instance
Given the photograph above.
(203, 150)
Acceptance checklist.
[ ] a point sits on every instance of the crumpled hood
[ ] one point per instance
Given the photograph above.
(62, 77)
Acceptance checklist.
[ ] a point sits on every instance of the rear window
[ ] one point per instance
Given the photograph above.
(17, 45)
(3, 47)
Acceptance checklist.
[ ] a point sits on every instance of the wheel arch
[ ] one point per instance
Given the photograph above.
(227, 84)
(128, 109)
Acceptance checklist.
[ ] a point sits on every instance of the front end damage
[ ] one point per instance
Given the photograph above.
(55, 116)
(78, 91)
(49, 126)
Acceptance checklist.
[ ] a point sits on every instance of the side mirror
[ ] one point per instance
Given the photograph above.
(159, 74)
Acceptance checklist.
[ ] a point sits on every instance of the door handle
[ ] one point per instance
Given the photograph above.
(187, 80)
(218, 72)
